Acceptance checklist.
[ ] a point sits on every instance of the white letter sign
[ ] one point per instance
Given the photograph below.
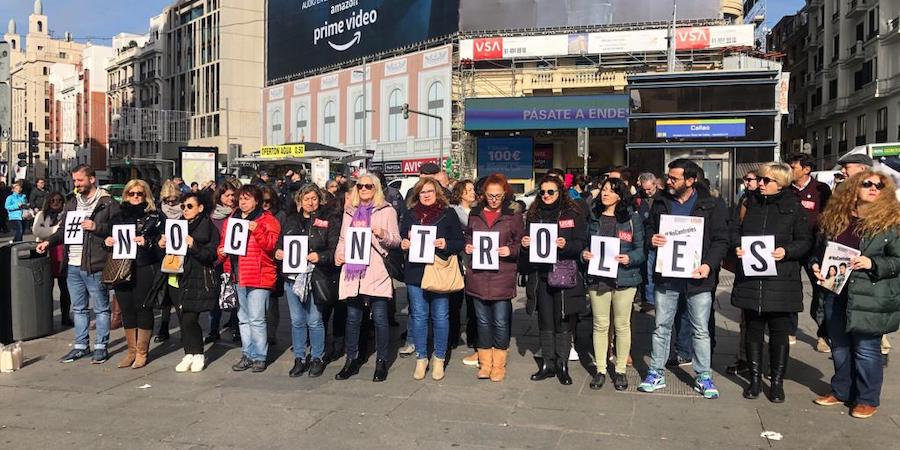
(124, 246)
(604, 251)
(543, 243)
(296, 248)
(176, 231)
(73, 233)
(421, 244)
(237, 232)
(358, 245)
(758, 260)
(486, 256)
(682, 253)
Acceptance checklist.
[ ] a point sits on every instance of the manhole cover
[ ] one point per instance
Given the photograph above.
(674, 386)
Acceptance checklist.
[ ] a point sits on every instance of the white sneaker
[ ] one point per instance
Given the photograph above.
(185, 363)
(573, 355)
(198, 364)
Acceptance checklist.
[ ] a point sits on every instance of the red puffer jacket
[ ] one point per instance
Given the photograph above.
(257, 268)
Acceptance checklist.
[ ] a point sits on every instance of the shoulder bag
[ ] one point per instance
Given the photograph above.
(228, 298)
(172, 264)
(564, 274)
(116, 271)
(443, 276)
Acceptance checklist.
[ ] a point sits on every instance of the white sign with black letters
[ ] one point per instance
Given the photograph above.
(124, 246)
(682, 253)
(421, 244)
(758, 260)
(358, 245)
(485, 255)
(296, 248)
(73, 233)
(237, 233)
(543, 243)
(176, 232)
(603, 262)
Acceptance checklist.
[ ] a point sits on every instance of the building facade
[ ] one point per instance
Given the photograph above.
(30, 75)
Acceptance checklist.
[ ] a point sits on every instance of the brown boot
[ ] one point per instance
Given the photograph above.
(131, 338)
(498, 370)
(143, 346)
(485, 363)
(115, 321)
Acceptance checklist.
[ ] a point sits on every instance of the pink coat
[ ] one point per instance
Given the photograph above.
(377, 282)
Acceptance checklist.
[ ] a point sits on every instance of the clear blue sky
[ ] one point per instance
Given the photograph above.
(780, 8)
(87, 20)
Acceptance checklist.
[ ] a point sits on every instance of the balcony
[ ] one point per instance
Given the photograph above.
(892, 34)
(881, 136)
(856, 53)
(857, 8)
(560, 79)
(888, 86)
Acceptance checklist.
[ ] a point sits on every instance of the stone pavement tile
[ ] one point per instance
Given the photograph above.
(412, 410)
(433, 425)
(594, 440)
(27, 437)
(345, 429)
(819, 427)
(253, 425)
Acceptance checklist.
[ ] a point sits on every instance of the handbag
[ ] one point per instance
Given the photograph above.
(172, 264)
(443, 276)
(394, 264)
(564, 274)
(116, 271)
(228, 298)
(324, 288)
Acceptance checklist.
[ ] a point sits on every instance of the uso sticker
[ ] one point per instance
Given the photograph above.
(320, 223)
(568, 223)
(625, 236)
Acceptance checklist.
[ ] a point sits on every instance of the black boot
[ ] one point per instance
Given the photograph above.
(163, 334)
(562, 372)
(351, 367)
(778, 358)
(301, 365)
(547, 367)
(316, 368)
(546, 370)
(381, 370)
(754, 362)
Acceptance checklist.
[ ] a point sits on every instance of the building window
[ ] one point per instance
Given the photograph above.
(40, 26)
(436, 107)
(843, 131)
(329, 130)
(359, 121)
(881, 125)
(276, 136)
(394, 116)
(861, 129)
(302, 120)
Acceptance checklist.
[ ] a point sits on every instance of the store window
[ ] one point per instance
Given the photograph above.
(276, 137)
(359, 121)
(394, 115)
(301, 122)
(436, 107)
(329, 131)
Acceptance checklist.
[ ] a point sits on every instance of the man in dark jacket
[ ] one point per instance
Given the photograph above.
(813, 196)
(86, 261)
(685, 198)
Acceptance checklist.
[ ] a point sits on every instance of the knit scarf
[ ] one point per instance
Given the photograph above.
(428, 215)
(171, 211)
(549, 213)
(361, 218)
(221, 212)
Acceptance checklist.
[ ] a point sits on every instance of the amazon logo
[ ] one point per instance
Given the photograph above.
(331, 32)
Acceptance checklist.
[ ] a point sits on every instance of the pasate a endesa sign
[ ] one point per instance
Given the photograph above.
(547, 112)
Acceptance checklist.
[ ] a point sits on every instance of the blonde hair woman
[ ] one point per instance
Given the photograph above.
(138, 209)
(863, 214)
(362, 285)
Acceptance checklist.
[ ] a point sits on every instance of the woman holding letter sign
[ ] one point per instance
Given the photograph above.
(558, 307)
(254, 273)
(427, 207)
(864, 215)
(612, 217)
(769, 300)
(138, 209)
(196, 289)
(492, 291)
(319, 284)
(361, 285)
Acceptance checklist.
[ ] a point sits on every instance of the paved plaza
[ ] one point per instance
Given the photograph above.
(52, 405)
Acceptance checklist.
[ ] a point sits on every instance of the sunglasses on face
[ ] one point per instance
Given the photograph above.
(136, 194)
(766, 180)
(870, 184)
(170, 201)
(548, 192)
(366, 186)
(749, 179)
(187, 206)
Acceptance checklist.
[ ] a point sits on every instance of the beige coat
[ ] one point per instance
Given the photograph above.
(377, 282)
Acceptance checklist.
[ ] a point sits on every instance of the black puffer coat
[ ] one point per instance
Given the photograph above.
(780, 215)
(198, 286)
(323, 230)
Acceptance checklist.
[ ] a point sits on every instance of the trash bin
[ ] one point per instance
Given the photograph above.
(26, 293)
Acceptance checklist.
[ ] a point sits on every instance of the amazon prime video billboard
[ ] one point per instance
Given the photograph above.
(305, 35)
(486, 15)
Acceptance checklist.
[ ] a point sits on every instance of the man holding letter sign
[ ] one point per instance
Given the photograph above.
(614, 262)
(774, 239)
(494, 231)
(704, 217)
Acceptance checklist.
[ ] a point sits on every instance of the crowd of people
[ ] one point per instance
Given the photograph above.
(335, 304)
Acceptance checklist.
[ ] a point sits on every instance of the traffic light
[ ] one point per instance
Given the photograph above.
(22, 159)
(34, 141)
(405, 110)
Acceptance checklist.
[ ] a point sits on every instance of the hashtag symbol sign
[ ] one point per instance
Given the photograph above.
(73, 228)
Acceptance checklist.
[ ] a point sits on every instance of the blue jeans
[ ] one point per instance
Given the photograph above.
(252, 322)
(858, 371)
(649, 289)
(17, 227)
(356, 307)
(493, 323)
(305, 317)
(437, 306)
(83, 288)
(698, 308)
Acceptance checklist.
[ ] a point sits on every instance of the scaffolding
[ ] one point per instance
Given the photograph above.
(149, 125)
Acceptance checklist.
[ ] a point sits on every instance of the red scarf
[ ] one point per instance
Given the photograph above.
(428, 215)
